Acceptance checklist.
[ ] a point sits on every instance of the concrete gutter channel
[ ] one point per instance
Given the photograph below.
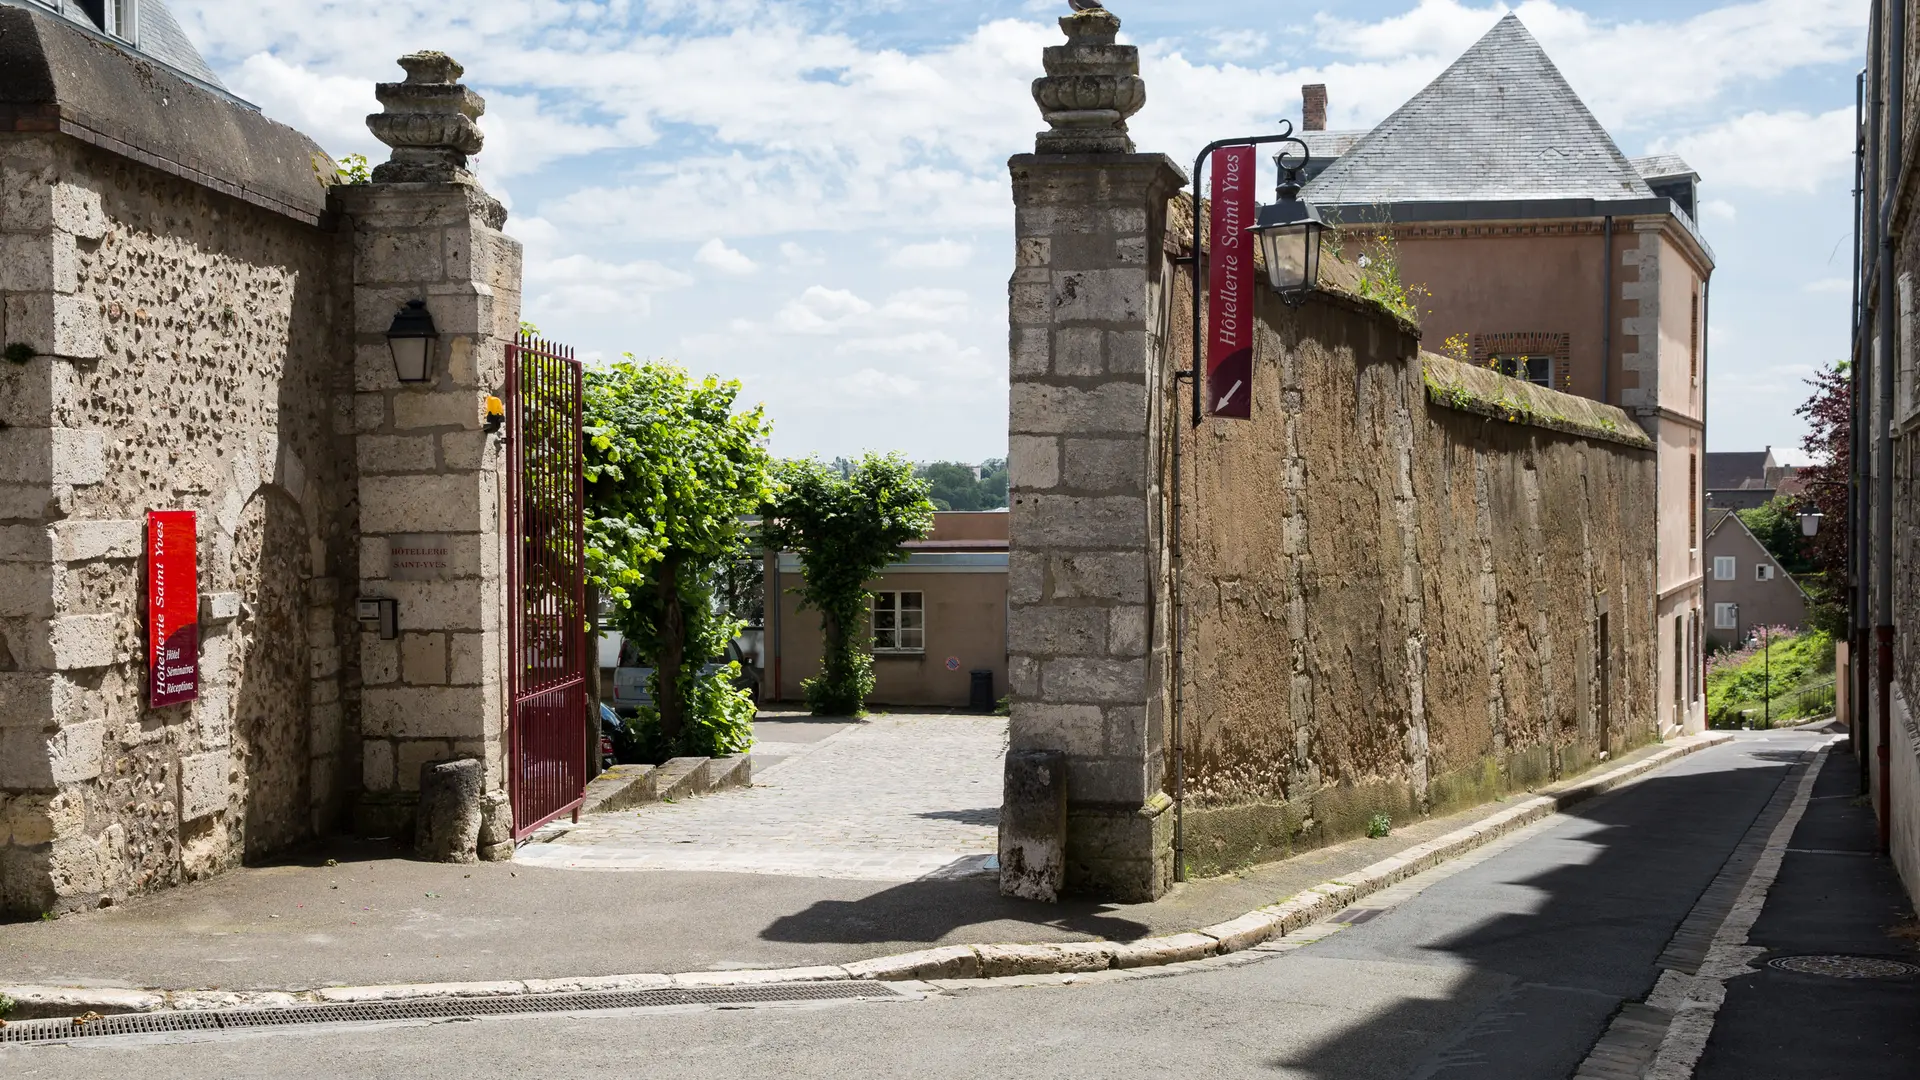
(942, 963)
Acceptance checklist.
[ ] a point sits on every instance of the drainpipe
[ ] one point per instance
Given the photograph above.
(1856, 657)
(1883, 452)
(1606, 311)
(1862, 405)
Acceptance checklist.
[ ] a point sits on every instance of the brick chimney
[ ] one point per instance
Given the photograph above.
(1313, 107)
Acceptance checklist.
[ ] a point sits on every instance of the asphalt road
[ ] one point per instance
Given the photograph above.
(1506, 966)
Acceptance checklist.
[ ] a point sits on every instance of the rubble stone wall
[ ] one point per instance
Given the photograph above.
(1393, 593)
(186, 354)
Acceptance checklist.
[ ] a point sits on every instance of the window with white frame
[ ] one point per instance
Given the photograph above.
(1763, 571)
(899, 622)
(121, 18)
(1726, 616)
(1723, 568)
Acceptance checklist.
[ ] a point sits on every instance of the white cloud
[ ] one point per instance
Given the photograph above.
(635, 131)
(926, 305)
(796, 256)
(1777, 153)
(934, 255)
(1828, 285)
(716, 254)
(872, 384)
(820, 310)
(581, 285)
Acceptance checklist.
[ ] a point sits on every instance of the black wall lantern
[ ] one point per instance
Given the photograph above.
(412, 338)
(1289, 231)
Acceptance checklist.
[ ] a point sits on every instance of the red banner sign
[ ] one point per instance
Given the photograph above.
(1230, 284)
(173, 608)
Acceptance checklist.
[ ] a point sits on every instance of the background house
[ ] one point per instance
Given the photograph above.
(1746, 587)
(1745, 479)
(1558, 261)
(938, 616)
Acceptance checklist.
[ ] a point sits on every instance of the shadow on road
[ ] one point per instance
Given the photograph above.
(1579, 919)
(928, 911)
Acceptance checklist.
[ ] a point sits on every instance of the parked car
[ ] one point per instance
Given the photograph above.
(630, 679)
(610, 722)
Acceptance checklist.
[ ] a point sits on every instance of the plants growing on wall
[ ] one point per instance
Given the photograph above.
(846, 528)
(673, 474)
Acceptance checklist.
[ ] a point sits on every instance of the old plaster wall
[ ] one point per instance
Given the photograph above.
(1393, 604)
(189, 358)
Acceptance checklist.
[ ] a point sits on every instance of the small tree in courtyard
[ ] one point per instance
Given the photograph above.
(673, 474)
(846, 528)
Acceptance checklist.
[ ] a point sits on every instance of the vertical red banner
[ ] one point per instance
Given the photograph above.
(1230, 285)
(173, 608)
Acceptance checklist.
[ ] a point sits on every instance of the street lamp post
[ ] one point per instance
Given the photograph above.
(1289, 233)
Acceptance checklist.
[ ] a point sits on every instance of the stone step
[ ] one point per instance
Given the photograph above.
(624, 787)
(682, 777)
(621, 787)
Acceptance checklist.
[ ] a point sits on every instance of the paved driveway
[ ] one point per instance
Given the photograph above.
(899, 797)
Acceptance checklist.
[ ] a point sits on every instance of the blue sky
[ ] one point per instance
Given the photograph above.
(811, 195)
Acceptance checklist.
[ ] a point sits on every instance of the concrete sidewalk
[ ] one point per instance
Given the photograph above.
(1837, 897)
(377, 917)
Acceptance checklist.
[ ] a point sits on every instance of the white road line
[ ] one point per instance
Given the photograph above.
(1695, 1000)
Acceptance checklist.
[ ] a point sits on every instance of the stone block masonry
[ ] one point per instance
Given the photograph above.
(431, 480)
(1087, 322)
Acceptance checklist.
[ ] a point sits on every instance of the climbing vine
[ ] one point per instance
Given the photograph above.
(846, 528)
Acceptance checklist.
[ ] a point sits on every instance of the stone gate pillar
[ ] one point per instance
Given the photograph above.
(430, 476)
(1087, 320)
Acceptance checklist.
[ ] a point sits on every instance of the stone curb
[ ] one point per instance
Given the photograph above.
(947, 962)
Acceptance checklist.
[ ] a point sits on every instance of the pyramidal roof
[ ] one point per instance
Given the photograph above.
(1500, 124)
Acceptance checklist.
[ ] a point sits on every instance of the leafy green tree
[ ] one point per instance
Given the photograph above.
(955, 486)
(673, 473)
(846, 528)
(1776, 524)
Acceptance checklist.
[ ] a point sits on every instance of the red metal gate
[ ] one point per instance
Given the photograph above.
(546, 584)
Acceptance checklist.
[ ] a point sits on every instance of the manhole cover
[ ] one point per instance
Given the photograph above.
(1846, 967)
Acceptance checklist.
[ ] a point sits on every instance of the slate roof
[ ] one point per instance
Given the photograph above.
(160, 36)
(1663, 167)
(1729, 470)
(1501, 124)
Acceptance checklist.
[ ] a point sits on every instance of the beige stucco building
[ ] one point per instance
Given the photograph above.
(1746, 586)
(1546, 252)
(938, 616)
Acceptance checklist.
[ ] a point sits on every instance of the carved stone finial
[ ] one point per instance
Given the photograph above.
(1092, 85)
(429, 122)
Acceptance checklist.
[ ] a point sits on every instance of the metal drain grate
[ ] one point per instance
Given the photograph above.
(1846, 967)
(361, 1012)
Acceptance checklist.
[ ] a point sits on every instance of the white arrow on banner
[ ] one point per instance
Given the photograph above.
(1228, 396)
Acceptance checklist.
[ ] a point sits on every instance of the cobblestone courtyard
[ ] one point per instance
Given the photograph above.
(900, 797)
